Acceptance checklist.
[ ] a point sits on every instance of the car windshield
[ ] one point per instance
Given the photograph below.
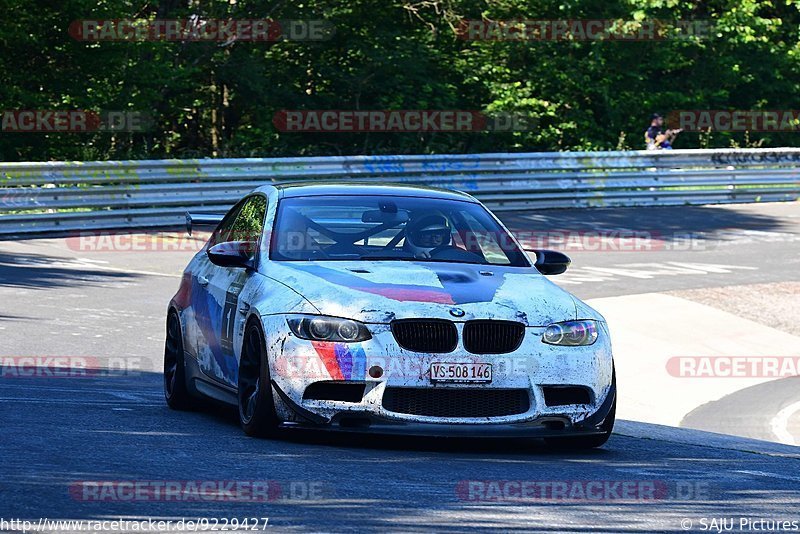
(386, 228)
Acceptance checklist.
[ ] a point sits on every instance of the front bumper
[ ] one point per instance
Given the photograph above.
(295, 364)
(355, 421)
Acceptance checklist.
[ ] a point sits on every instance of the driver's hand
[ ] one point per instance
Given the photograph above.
(423, 255)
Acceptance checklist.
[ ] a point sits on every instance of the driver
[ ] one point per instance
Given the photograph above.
(426, 233)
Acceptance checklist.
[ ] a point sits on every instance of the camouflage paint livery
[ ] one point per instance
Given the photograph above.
(215, 303)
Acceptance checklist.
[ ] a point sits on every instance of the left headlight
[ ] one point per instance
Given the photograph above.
(320, 328)
(571, 333)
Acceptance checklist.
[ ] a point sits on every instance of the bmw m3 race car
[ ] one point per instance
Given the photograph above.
(385, 308)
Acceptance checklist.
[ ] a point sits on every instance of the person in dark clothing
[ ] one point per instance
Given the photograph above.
(656, 138)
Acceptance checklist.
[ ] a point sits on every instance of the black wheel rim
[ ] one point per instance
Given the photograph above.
(172, 350)
(250, 375)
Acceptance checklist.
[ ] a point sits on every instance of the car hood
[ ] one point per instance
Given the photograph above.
(379, 292)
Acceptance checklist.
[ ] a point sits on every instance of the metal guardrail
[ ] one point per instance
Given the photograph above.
(73, 196)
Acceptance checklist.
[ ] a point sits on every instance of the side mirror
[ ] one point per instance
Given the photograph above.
(233, 254)
(550, 262)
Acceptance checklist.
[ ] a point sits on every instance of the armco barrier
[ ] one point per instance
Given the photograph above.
(69, 196)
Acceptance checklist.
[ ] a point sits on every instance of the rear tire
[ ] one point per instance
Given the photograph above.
(586, 442)
(175, 391)
(256, 405)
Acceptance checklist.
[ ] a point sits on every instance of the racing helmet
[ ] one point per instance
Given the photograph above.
(426, 232)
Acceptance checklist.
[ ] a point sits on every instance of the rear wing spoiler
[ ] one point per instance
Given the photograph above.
(201, 219)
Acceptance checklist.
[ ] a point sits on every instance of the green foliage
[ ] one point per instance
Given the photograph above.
(210, 99)
(249, 221)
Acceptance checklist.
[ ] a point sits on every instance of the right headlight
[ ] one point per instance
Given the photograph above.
(321, 328)
(571, 333)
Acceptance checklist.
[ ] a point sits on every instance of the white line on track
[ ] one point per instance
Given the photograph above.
(125, 396)
(780, 424)
(81, 391)
(769, 475)
(82, 263)
(103, 264)
(78, 402)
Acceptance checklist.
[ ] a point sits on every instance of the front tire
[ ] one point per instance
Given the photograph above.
(256, 405)
(175, 391)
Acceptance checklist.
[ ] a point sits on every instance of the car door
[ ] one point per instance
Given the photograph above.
(225, 284)
(203, 311)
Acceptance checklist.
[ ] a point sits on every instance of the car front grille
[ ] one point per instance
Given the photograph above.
(451, 402)
(425, 335)
(493, 337)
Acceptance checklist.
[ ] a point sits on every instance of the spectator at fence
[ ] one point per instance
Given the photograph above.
(655, 137)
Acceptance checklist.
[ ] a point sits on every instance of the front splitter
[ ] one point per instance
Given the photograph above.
(362, 424)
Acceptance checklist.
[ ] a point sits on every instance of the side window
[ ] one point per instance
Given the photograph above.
(243, 223)
(222, 232)
(250, 220)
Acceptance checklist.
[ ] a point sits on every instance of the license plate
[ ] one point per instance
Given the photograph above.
(461, 372)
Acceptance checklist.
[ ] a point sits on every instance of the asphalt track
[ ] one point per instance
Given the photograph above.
(61, 433)
(641, 250)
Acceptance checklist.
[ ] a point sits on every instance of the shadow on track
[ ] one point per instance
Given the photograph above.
(749, 411)
(61, 433)
(37, 271)
(667, 223)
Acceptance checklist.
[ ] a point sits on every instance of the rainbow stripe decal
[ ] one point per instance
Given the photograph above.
(344, 361)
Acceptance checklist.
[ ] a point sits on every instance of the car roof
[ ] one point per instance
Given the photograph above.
(306, 189)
